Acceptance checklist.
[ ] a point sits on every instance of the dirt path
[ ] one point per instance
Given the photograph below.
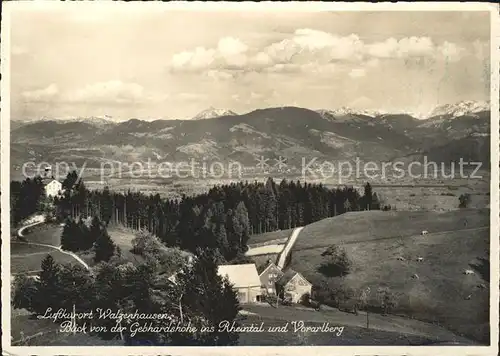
(288, 247)
(20, 233)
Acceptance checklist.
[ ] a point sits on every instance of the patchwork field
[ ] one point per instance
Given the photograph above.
(443, 198)
(374, 240)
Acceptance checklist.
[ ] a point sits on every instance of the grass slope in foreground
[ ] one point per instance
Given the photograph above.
(374, 240)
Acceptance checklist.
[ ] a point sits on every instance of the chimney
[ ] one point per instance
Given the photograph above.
(48, 171)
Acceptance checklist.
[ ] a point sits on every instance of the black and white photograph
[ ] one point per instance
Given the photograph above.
(252, 174)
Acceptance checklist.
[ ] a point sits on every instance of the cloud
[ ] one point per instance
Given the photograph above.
(219, 74)
(199, 58)
(230, 52)
(229, 46)
(110, 91)
(357, 73)
(403, 48)
(451, 52)
(48, 93)
(311, 51)
(113, 91)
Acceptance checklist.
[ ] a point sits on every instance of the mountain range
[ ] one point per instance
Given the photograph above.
(453, 131)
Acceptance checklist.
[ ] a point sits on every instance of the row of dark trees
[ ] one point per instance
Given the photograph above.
(26, 198)
(199, 297)
(225, 217)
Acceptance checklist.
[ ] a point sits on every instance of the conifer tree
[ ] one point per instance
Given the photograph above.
(48, 286)
(95, 230)
(209, 300)
(104, 247)
(70, 235)
(367, 197)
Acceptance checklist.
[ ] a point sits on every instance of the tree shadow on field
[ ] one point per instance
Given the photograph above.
(482, 267)
(331, 270)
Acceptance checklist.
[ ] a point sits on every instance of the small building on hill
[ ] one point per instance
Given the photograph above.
(269, 275)
(293, 286)
(52, 187)
(245, 281)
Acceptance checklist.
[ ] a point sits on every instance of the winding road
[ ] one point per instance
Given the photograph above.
(20, 234)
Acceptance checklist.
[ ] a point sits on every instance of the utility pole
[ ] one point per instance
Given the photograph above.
(74, 311)
(74, 319)
(364, 300)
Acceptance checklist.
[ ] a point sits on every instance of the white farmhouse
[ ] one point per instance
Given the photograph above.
(52, 187)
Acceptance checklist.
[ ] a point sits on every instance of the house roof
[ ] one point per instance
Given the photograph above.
(262, 268)
(47, 180)
(240, 275)
(288, 276)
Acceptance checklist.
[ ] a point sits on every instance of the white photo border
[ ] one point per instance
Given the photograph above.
(9, 7)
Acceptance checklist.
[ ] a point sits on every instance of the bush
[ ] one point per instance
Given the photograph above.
(337, 262)
(464, 200)
(329, 293)
(387, 300)
(270, 298)
(145, 243)
(24, 292)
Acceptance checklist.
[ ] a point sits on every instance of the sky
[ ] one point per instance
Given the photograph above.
(174, 64)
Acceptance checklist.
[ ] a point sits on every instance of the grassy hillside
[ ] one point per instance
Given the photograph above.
(374, 240)
(371, 225)
(28, 258)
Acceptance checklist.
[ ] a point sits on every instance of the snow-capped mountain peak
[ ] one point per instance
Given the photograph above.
(343, 111)
(461, 108)
(211, 113)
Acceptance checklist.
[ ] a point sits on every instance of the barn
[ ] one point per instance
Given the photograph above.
(244, 279)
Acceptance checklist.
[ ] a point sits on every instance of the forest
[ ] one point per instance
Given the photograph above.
(225, 217)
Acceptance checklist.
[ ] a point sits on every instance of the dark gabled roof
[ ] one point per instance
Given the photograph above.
(261, 268)
(265, 266)
(287, 277)
(47, 180)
